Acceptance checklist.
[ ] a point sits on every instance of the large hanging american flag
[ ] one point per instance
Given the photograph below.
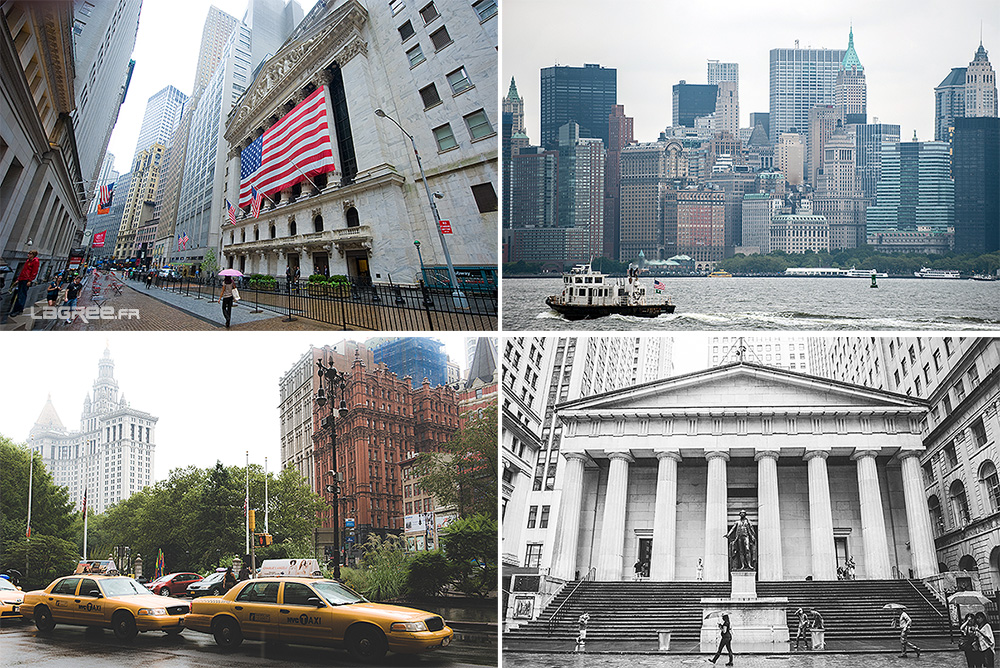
(107, 193)
(296, 147)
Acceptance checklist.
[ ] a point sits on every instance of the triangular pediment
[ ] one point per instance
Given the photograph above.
(734, 387)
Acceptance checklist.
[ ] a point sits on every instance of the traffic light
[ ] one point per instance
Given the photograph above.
(262, 539)
(268, 538)
(252, 518)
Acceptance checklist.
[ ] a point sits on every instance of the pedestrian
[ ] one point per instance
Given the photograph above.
(581, 635)
(244, 573)
(725, 641)
(52, 292)
(803, 629)
(851, 567)
(987, 643)
(24, 280)
(226, 297)
(969, 644)
(905, 623)
(229, 580)
(637, 567)
(72, 294)
(700, 572)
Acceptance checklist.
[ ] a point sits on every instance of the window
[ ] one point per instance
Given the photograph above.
(533, 557)
(543, 521)
(291, 229)
(485, 8)
(353, 219)
(444, 137)
(959, 503)
(532, 515)
(486, 197)
(429, 13)
(67, 586)
(429, 94)
(459, 81)
(947, 405)
(259, 592)
(440, 38)
(406, 31)
(949, 455)
(478, 124)
(937, 360)
(948, 347)
(991, 484)
(979, 432)
(396, 6)
(318, 224)
(973, 377)
(415, 56)
(937, 521)
(297, 594)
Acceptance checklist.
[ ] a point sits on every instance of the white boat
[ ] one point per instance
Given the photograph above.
(927, 272)
(590, 294)
(826, 272)
(865, 273)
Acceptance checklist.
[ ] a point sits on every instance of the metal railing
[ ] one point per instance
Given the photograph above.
(354, 303)
(591, 575)
(926, 600)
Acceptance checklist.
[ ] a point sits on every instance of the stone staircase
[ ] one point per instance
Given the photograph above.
(637, 610)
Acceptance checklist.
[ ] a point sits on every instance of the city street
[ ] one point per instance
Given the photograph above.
(69, 645)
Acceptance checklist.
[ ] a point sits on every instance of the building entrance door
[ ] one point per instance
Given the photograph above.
(645, 555)
(840, 548)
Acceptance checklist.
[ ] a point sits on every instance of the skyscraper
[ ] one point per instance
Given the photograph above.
(723, 72)
(534, 189)
(837, 197)
(163, 113)
(218, 27)
(619, 135)
(693, 101)
(980, 86)
(701, 224)
(850, 92)
(649, 199)
(976, 168)
(823, 120)
(869, 139)
(727, 108)
(515, 105)
(581, 190)
(416, 357)
(800, 79)
(585, 95)
(142, 190)
(916, 189)
(949, 103)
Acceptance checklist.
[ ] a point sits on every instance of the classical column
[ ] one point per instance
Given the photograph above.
(568, 529)
(663, 563)
(918, 516)
(612, 540)
(769, 565)
(716, 543)
(872, 520)
(824, 556)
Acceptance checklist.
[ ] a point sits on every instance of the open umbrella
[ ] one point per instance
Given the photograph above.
(230, 272)
(968, 598)
(894, 606)
(715, 613)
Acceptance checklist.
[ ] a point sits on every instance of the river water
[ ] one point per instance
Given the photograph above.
(898, 304)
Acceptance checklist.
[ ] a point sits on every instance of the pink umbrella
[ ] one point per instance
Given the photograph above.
(230, 272)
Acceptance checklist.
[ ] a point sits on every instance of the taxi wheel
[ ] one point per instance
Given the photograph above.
(164, 591)
(366, 643)
(216, 592)
(227, 633)
(124, 626)
(43, 619)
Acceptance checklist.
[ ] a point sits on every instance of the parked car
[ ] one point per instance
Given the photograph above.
(171, 274)
(174, 584)
(11, 598)
(211, 585)
(116, 602)
(315, 611)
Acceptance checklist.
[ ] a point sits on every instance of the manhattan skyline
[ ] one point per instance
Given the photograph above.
(905, 54)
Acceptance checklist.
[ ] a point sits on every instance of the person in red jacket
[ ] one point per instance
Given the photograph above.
(28, 273)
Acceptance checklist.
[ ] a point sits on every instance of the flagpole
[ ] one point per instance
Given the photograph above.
(304, 174)
(265, 496)
(84, 525)
(31, 479)
(246, 507)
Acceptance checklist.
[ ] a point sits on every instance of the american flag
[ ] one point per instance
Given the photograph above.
(296, 147)
(255, 202)
(85, 502)
(232, 212)
(659, 285)
(107, 193)
(178, 242)
(184, 241)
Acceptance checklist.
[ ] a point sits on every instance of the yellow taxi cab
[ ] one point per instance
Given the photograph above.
(10, 600)
(314, 611)
(116, 602)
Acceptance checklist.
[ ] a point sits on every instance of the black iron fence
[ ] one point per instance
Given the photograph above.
(354, 303)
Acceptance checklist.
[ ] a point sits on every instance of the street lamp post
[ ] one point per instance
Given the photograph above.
(423, 283)
(458, 295)
(334, 380)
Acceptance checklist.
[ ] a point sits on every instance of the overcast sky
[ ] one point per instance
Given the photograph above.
(906, 47)
(166, 54)
(215, 396)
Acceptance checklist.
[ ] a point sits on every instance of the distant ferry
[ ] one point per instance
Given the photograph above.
(833, 271)
(718, 273)
(590, 294)
(926, 272)
(984, 277)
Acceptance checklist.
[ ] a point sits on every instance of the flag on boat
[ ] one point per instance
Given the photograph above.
(659, 285)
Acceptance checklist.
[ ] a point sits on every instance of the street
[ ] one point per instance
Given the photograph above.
(70, 645)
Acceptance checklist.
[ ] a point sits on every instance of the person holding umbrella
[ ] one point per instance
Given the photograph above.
(229, 293)
(803, 630)
(905, 623)
(986, 642)
(726, 639)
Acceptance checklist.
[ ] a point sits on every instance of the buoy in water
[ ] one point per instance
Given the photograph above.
(874, 284)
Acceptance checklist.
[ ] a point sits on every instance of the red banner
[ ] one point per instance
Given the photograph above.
(445, 226)
(99, 240)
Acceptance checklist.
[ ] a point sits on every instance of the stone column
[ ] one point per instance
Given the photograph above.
(563, 563)
(663, 563)
(824, 556)
(716, 543)
(612, 540)
(872, 520)
(918, 516)
(769, 563)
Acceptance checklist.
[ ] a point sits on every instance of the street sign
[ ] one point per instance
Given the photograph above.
(349, 539)
(349, 522)
(445, 226)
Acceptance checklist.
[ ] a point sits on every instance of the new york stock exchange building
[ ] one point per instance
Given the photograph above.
(654, 477)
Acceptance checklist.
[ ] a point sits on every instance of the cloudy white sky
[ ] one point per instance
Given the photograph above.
(216, 397)
(906, 46)
(166, 54)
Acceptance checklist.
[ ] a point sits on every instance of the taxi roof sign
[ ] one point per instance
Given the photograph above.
(299, 568)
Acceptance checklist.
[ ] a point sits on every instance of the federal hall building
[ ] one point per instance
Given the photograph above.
(825, 470)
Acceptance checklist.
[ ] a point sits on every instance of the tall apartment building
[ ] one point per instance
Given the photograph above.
(980, 86)
(727, 108)
(976, 168)
(534, 188)
(585, 94)
(512, 115)
(701, 224)
(620, 135)
(949, 103)
(780, 351)
(869, 139)
(916, 190)
(110, 457)
(270, 22)
(850, 92)
(723, 72)
(801, 79)
(649, 174)
(691, 101)
(581, 190)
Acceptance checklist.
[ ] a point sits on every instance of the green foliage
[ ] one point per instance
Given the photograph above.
(608, 266)
(522, 267)
(262, 282)
(429, 572)
(863, 257)
(355, 578)
(384, 563)
(210, 264)
(471, 545)
(41, 560)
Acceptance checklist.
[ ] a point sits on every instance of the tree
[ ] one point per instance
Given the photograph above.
(464, 473)
(209, 265)
(428, 573)
(384, 563)
(41, 559)
(471, 545)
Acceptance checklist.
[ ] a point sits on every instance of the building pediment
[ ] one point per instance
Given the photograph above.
(748, 389)
(336, 38)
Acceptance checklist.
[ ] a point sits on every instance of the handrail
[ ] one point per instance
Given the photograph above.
(926, 600)
(592, 573)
